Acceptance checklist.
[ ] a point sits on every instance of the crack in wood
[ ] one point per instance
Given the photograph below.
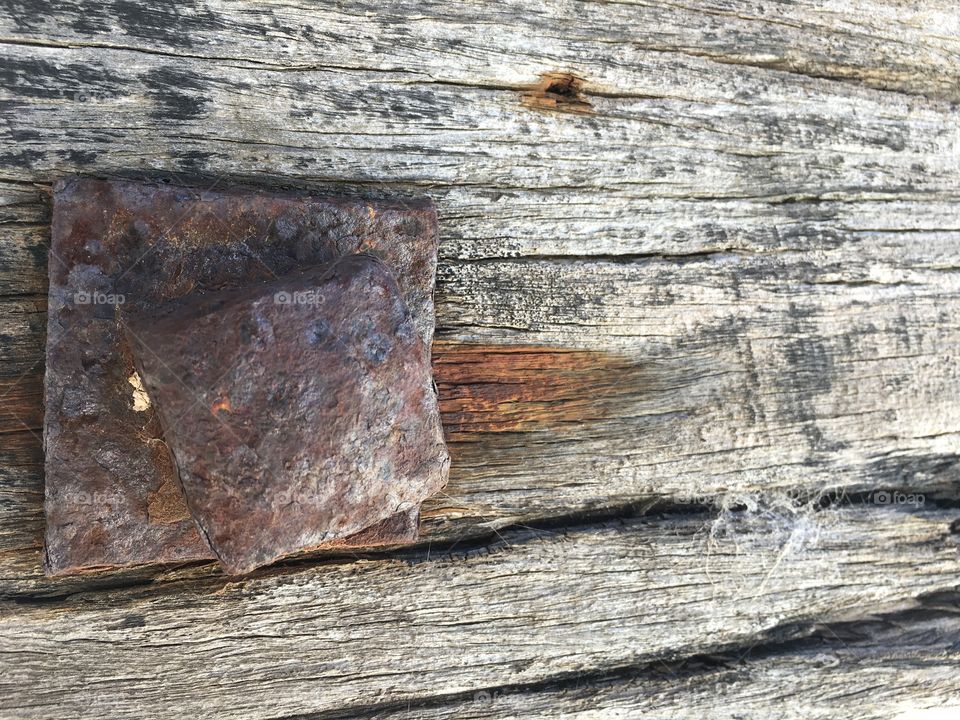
(912, 628)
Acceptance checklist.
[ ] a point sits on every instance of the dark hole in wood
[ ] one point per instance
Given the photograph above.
(561, 91)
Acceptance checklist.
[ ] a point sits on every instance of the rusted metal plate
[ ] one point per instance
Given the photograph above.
(403, 527)
(112, 497)
(299, 411)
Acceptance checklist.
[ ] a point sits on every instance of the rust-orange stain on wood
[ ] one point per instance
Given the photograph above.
(519, 388)
(560, 91)
(483, 388)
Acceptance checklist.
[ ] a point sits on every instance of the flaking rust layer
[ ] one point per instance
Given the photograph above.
(299, 411)
(112, 498)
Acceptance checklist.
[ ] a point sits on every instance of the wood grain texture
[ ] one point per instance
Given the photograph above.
(776, 137)
(703, 254)
(899, 665)
(343, 637)
(909, 47)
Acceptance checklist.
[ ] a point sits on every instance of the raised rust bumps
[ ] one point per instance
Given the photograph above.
(120, 249)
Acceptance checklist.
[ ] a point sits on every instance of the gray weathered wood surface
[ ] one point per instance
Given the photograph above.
(692, 316)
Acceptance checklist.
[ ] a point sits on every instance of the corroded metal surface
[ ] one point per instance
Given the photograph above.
(112, 497)
(299, 411)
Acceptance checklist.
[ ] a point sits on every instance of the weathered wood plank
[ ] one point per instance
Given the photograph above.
(900, 665)
(743, 247)
(23, 259)
(543, 603)
(715, 377)
(903, 46)
(774, 138)
(479, 224)
(23, 328)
